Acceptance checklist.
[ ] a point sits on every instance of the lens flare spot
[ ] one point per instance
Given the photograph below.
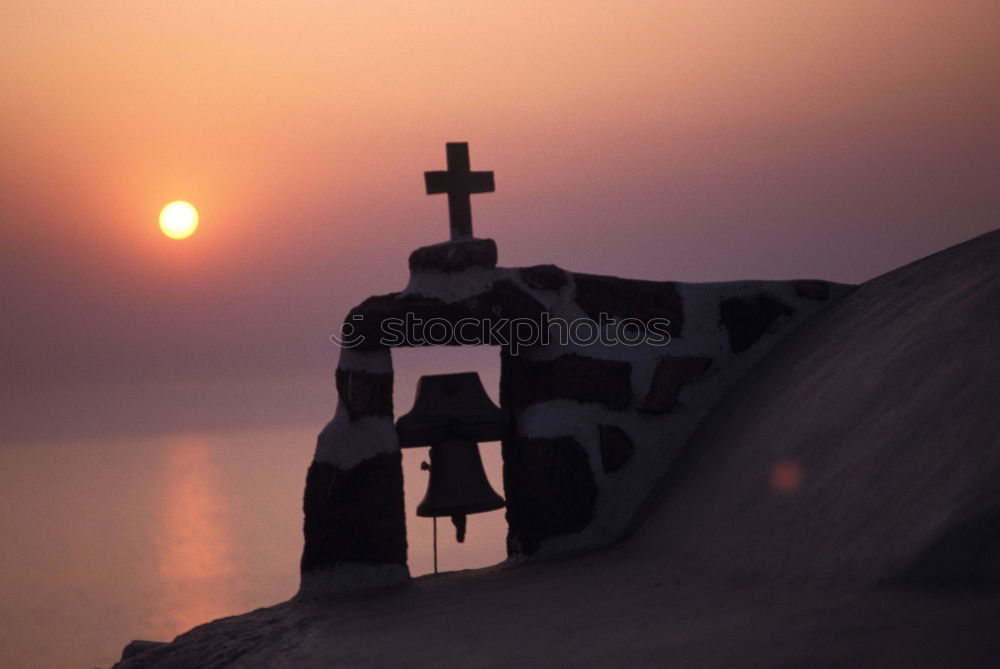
(786, 476)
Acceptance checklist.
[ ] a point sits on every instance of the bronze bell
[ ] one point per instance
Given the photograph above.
(450, 414)
(458, 485)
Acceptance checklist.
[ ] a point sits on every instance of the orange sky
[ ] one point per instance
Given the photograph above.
(664, 140)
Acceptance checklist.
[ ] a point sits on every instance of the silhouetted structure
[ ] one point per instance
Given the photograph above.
(596, 423)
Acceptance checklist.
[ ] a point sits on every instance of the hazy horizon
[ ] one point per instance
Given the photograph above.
(666, 141)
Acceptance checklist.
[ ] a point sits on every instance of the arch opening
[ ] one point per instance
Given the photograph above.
(485, 542)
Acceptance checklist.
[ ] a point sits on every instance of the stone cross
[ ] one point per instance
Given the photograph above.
(459, 182)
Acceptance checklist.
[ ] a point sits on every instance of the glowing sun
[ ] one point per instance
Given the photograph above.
(178, 219)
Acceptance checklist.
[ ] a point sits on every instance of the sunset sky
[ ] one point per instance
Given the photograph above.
(690, 141)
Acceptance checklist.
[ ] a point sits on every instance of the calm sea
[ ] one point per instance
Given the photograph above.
(105, 541)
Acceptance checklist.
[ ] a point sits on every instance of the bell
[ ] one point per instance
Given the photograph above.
(449, 407)
(450, 414)
(458, 485)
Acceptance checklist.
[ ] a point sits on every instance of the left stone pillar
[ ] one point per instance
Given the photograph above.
(355, 525)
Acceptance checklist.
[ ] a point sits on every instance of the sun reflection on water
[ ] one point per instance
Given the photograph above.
(195, 547)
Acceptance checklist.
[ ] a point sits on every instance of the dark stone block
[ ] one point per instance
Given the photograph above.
(356, 514)
(550, 491)
(748, 318)
(365, 393)
(505, 300)
(455, 256)
(572, 377)
(630, 298)
(381, 321)
(375, 319)
(812, 289)
(616, 447)
(670, 375)
(544, 277)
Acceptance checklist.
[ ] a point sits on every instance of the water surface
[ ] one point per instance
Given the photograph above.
(143, 538)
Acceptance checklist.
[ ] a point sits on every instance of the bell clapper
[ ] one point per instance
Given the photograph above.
(459, 521)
